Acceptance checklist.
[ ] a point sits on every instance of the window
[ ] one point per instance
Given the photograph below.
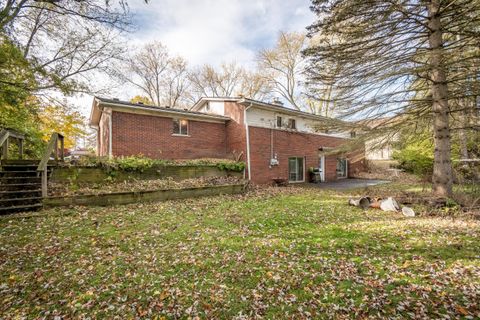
(295, 169)
(279, 122)
(292, 124)
(180, 127)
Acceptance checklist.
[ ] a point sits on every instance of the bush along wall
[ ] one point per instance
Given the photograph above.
(126, 168)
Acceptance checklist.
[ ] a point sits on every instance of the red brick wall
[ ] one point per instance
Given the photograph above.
(235, 130)
(134, 134)
(292, 144)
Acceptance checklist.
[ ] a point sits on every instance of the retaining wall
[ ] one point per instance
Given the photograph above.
(116, 198)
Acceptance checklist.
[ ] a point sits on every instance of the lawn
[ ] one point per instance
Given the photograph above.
(291, 253)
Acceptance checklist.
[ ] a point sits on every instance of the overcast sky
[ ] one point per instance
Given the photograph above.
(213, 31)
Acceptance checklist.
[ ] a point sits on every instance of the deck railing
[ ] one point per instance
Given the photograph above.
(5, 136)
(58, 153)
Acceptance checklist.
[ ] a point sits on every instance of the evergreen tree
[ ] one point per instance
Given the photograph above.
(400, 58)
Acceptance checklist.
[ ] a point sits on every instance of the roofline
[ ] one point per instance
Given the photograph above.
(204, 99)
(257, 103)
(100, 102)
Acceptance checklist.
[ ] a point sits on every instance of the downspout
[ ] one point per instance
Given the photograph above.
(248, 140)
(110, 134)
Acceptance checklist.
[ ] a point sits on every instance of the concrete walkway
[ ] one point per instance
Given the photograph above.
(345, 184)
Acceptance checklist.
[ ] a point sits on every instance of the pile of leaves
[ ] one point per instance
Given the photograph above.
(271, 253)
(65, 189)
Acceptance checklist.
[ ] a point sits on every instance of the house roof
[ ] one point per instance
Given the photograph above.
(283, 109)
(125, 106)
(263, 105)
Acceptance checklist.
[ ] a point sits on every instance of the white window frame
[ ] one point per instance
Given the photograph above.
(180, 127)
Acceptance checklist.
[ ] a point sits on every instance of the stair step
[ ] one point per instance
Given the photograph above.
(20, 184)
(28, 207)
(20, 199)
(19, 191)
(7, 179)
(17, 167)
(18, 173)
(20, 162)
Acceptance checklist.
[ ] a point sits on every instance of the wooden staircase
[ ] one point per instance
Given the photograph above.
(20, 186)
(23, 183)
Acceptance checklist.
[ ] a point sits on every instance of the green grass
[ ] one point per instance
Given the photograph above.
(274, 254)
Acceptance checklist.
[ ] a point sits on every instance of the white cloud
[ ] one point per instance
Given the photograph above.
(213, 31)
(208, 31)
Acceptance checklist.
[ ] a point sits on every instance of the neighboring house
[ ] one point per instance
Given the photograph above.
(274, 141)
(376, 150)
(379, 148)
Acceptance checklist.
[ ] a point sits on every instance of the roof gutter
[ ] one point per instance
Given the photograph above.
(170, 112)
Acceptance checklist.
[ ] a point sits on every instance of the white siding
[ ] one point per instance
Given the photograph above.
(213, 107)
(375, 152)
(267, 119)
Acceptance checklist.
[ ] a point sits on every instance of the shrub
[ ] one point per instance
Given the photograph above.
(415, 158)
(140, 163)
(231, 166)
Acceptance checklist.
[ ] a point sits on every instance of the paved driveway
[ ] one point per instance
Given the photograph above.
(345, 184)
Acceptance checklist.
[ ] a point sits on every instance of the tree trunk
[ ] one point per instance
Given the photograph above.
(442, 166)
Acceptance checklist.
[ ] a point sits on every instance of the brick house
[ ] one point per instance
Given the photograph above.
(274, 141)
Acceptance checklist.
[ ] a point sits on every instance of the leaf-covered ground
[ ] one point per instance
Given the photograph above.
(301, 253)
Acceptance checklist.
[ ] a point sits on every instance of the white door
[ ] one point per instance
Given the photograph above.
(321, 167)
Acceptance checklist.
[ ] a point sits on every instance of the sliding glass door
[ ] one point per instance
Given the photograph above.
(342, 170)
(296, 172)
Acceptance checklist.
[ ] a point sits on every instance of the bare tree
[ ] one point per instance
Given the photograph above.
(158, 75)
(146, 69)
(255, 86)
(228, 80)
(176, 83)
(399, 59)
(100, 11)
(282, 66)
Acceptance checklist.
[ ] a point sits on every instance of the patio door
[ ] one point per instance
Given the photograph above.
(342, 168)
(296, 169)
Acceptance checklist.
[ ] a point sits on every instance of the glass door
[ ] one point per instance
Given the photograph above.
(295, 169)
(342, 168)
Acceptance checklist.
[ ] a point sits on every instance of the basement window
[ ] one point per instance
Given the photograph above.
(180, 127)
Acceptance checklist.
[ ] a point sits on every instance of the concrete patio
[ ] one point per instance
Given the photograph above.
(345, 184)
